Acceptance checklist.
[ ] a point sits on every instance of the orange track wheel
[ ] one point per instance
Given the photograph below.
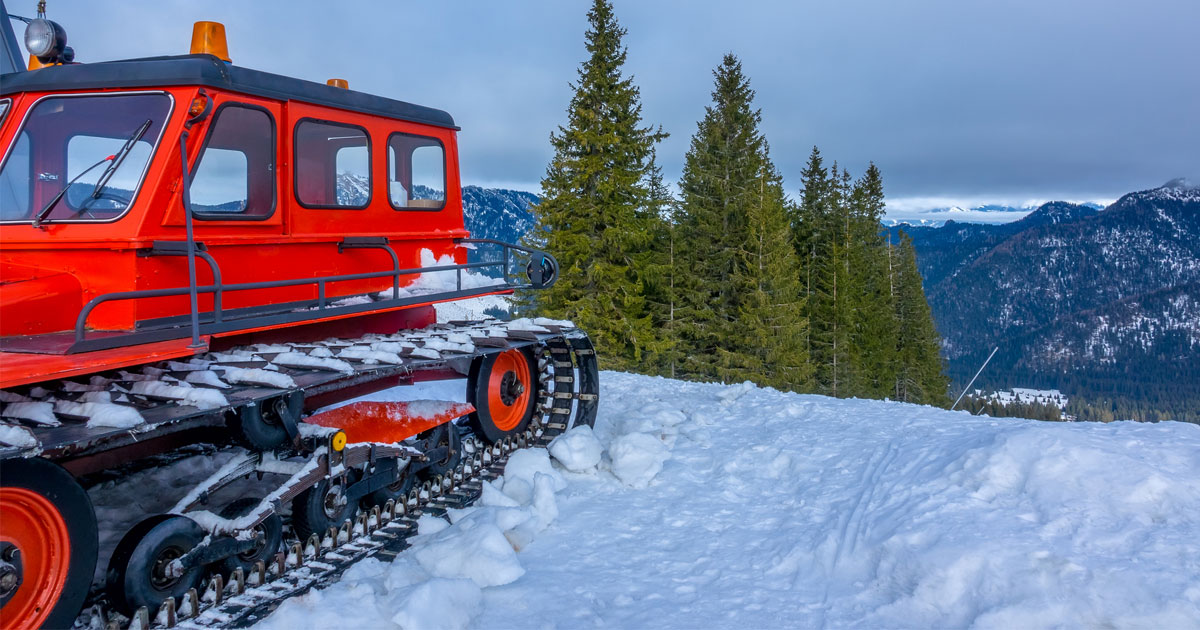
(503, 390)
(47, 544)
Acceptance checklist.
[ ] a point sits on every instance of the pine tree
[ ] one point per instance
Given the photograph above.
(740, 312)
(919, 376)
(594, 214)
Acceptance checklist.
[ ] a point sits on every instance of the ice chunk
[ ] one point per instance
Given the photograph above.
(258, 377)
(520, 470)
(20, 437)
(560, 323)
(299, 360)
(72, 386)
(492, 496)
(200, 398)
(426, 353)
(577, 450)
(527, 325)
(206, 377)
(96, 397)
(260, 348)
(637, 458)
(12, 397)
(473, 548)
(36, 412)
(102, 414)
(438, 604)
(369, 356)
(191, 365)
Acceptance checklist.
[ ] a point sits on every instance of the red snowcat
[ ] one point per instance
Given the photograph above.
(197, 255)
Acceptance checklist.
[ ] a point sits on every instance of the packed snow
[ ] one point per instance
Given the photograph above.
(702, 505)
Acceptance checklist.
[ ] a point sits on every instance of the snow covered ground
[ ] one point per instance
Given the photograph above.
(702, 505)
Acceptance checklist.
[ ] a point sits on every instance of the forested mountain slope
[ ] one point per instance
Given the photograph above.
(1104, 303)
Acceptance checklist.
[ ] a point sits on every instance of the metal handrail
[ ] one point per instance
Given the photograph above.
(218, 287)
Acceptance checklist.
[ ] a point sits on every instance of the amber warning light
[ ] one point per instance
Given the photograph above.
(208, 38)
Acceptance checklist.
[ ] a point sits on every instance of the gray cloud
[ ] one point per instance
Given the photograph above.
(952, 98)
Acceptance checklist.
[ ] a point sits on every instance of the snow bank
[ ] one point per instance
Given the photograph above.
(759, 505)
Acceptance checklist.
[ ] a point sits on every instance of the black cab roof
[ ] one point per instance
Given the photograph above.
(209, 71)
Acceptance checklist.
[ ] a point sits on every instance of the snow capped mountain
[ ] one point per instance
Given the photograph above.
(498, 213)
(1104, 300)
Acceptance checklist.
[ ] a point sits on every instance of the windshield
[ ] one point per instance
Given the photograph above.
(64, 145)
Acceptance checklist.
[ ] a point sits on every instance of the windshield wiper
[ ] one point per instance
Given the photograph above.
(119, 157)
(41, 216)
(115, 162)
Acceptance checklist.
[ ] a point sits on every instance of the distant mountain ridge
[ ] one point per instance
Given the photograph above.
(498, 213)
(495, 213)
(1105, 301)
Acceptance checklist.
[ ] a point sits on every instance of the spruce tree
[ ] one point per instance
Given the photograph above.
(661, 290)
(919, 377)
(594, 213)
(740, 304)
(874, 328)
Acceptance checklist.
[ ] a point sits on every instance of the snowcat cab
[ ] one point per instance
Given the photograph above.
(194, 252)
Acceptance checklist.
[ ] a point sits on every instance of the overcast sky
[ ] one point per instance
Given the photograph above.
(957, 101)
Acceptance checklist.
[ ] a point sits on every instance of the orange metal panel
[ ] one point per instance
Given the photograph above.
(20, 368)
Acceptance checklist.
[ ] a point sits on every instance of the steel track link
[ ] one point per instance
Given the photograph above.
(568, 396)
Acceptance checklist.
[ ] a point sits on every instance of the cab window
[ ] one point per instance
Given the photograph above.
(81, 158)
(332, 165)
(416, 172)
(234, 178)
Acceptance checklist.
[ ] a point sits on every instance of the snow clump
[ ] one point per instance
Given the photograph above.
(637, 458)
(577, 450)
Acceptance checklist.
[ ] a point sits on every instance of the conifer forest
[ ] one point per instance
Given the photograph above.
(738, 275)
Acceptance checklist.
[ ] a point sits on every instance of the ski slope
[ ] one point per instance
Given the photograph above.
(703, 505)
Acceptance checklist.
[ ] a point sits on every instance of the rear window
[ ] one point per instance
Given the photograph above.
(333, 163)
(416, 172)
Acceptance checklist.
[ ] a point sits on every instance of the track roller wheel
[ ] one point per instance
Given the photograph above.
(323, 506)
(447, 445)
(264, 426)
(47, 545)
(269, 534)
(503, 390)
(395, 492)
(139, 573)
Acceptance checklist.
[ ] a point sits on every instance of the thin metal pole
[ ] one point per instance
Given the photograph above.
(191, 244)
(968, 387)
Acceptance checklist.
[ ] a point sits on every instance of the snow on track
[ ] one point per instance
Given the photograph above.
(782, 510)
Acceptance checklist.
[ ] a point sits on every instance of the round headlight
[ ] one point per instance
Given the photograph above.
(45, 39)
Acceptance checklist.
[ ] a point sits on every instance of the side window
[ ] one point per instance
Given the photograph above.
(234, 178)
(332, 167)
(416, 172)
(15, 182)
